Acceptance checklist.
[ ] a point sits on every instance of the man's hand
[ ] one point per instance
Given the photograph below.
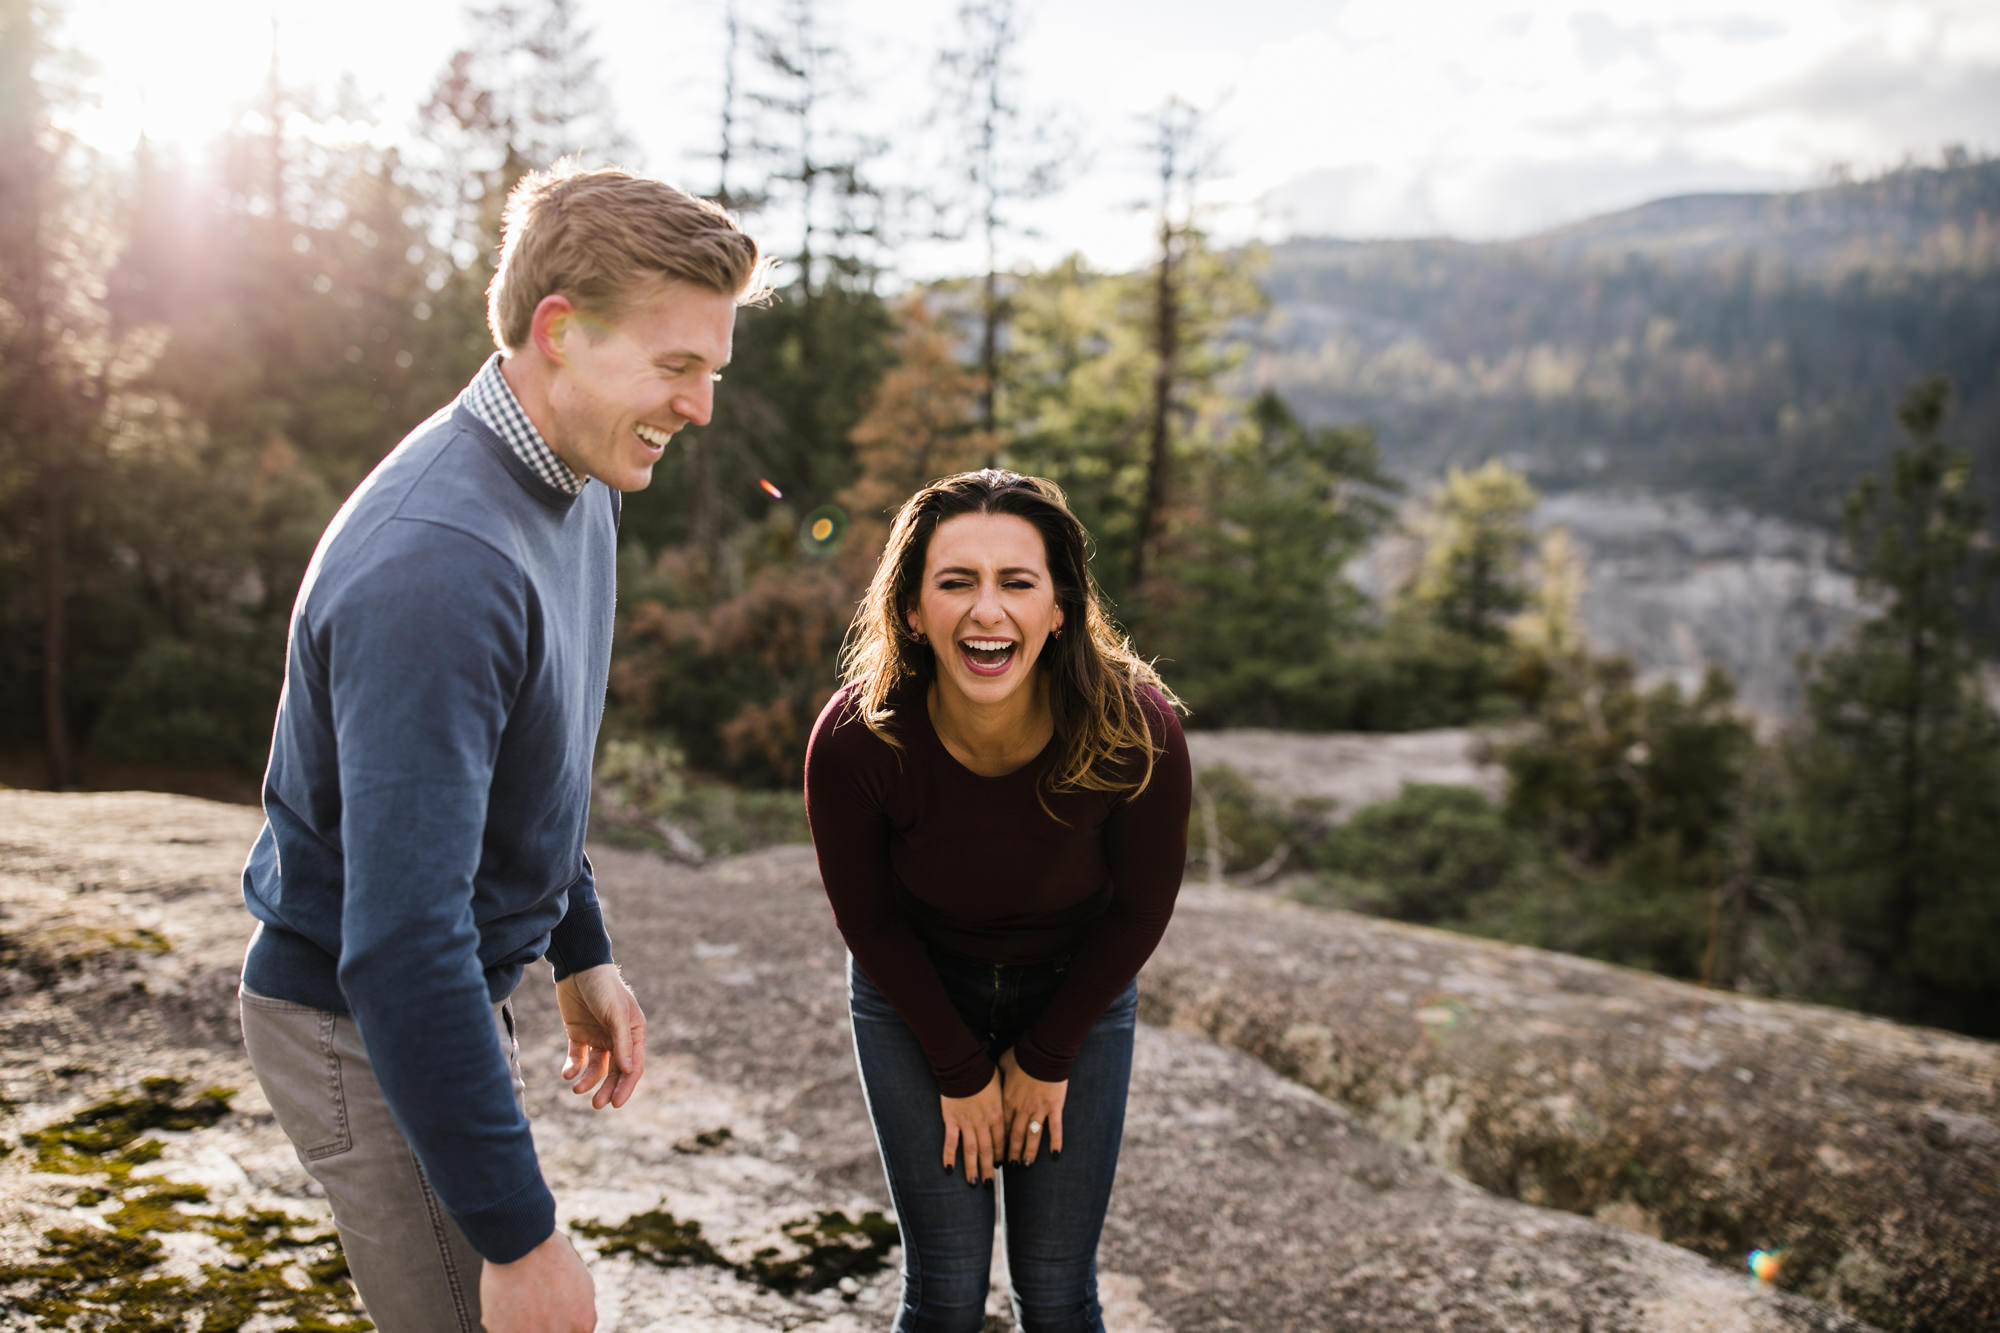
(546, 1290)
(973, 1123)
(1033, 1111)
(607, 1035)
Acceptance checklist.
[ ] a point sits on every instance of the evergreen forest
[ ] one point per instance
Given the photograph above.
(202, 353)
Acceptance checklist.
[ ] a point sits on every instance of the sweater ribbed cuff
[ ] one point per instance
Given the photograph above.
(579, 942)
(966, 1080)
(503, 1232)
(1038, 1063)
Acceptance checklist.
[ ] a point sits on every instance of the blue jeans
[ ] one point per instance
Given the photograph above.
(1054, 1209)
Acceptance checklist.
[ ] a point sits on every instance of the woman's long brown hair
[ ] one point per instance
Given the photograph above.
(1102, 740)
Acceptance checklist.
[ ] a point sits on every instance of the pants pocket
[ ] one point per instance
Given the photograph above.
(293, 1052)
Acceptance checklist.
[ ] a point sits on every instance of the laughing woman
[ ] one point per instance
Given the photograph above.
(999, 804)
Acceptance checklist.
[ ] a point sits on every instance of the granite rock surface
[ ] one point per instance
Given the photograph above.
(1252, 1193)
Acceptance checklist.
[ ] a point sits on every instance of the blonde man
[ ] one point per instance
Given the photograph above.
(430, 769)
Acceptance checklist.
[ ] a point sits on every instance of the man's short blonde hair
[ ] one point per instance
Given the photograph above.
(600, 237)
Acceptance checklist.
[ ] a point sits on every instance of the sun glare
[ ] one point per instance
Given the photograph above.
(161, 72)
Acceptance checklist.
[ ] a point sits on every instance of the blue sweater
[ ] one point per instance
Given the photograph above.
(428, 791)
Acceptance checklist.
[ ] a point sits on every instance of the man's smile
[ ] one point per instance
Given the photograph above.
(653, 437)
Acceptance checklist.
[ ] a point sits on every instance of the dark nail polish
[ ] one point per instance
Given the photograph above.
(989, 1182)
(947, 1168)
(1056, 1155)
(973, 1183)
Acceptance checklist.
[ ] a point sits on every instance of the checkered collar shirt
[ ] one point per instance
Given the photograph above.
(492, 400)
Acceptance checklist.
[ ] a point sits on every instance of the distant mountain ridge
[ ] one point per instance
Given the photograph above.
(1928, 216)
(1749, 348)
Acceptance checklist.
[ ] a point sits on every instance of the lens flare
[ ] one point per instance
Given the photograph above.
(769, 489)
(1441, 1015)
(1767, 1264)
(822, 529)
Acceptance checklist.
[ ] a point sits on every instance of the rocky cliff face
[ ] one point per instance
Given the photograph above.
(1288, 1176)
(1676, 585)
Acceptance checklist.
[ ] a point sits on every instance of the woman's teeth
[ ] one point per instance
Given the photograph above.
(988, 656)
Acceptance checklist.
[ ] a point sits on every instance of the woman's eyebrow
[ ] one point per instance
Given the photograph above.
(1011, 571)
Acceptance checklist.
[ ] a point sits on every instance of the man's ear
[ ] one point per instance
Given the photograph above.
(554, 316)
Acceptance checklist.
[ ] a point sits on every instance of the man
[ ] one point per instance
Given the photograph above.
(430, 769)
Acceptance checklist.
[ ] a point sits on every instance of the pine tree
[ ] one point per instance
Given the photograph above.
(919, 427)
(817, 167)
(1007, 156)
(1182, 160)
(1473, 579)
(1898, 769)
(1083, 369)
(526, 89)
(1253, 602)
(64, 368)
(1079, 372)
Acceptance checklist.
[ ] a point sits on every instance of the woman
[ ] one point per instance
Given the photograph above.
(999, 803)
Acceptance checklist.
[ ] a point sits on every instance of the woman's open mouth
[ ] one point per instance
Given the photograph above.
(987, 657)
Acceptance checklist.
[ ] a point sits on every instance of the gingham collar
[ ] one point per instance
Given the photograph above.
(492, 400)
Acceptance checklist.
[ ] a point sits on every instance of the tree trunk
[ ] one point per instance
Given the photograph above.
(732, 40)
(1152, 516)
(1904, 883)
(55, 648)
(989, 340)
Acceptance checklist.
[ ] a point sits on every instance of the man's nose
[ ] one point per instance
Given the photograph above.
(696, 404)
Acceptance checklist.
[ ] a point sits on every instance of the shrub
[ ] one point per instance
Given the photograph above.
(1250, 827)
(1428, 855)
(195, 703)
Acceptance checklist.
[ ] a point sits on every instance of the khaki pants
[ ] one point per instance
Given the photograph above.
(415, 1271)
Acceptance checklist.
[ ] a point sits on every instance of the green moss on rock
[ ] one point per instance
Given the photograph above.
(112, 1127)
(820, 1250)
(657, 1236)
(107, 1278)
(832, 1246)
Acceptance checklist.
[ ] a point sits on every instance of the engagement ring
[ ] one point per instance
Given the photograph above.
(1034, 1126)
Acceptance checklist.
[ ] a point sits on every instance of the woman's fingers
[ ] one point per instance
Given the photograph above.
(974, 1130)
(950, 1145)
(989, 1148)
(1038, 1129)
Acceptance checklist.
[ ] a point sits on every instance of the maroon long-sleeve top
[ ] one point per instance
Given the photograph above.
(917, 851)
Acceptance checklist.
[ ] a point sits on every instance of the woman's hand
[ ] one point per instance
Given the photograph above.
(1033, 1110)
(974, 1124)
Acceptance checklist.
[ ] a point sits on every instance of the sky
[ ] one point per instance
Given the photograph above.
(1358, 118)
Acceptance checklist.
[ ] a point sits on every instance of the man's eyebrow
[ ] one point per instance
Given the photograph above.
(686, 354)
